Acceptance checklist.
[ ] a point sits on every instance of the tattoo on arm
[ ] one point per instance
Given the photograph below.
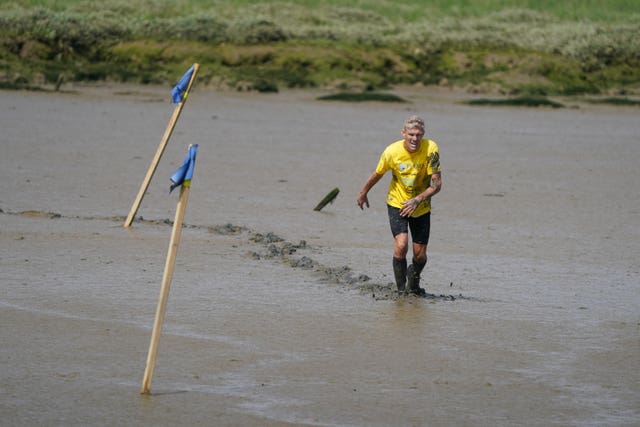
(436, 182)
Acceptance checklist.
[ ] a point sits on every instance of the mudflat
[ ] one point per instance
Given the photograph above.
(281, 315)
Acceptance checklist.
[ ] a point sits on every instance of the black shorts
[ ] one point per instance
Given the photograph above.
(419, 226)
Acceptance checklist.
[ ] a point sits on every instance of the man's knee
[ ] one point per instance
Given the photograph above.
(420, 254)
(401, 246)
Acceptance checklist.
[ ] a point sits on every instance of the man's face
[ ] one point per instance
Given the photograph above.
(412, 139)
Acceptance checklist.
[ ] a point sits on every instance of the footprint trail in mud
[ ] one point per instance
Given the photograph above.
(268, 246)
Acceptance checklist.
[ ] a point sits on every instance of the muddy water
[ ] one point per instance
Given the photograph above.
(279, 315)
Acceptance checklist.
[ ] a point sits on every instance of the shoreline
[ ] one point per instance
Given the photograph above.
(409, 93)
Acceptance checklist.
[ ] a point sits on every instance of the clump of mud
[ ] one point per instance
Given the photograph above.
(39, 214)
(226, 229)
(273, 246)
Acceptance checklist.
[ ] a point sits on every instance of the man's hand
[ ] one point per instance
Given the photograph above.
(362, 201)
(409, 207)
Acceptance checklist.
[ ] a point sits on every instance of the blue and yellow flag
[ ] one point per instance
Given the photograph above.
(179, 91)
(184, 174)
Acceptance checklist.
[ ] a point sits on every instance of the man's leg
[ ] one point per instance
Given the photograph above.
(420, 228)
(414, 270)
(400, 273)
(400, 231)
(419, 255)
(400, 250)
(401, 246)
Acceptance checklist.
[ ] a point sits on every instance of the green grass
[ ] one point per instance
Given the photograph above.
(526, 47)
(522, 101)
(405, 11)
(616, 101)
(19, 86)
(362, 97)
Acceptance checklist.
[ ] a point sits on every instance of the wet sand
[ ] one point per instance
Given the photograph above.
(279, 315)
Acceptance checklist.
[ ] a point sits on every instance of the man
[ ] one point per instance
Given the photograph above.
(416, 176)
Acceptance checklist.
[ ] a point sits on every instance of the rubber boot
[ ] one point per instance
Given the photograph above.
(400, 273)
(413, 278)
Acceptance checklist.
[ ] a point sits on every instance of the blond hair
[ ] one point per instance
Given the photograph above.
(414, 122)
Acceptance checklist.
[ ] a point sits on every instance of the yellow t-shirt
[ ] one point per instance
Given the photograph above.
(411, 172)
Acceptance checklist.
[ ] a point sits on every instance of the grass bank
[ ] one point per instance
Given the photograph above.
(546, 48)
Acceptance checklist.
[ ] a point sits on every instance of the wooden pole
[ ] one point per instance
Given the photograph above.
(164, 291)
(159, 151)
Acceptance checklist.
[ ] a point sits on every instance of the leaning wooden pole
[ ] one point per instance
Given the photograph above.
(164, 290)
(163, 144)
(181, 177)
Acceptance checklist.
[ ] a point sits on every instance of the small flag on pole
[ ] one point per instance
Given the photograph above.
(179, 92)
(183, 175)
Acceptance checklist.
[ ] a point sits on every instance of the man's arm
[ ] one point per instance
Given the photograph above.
(433, 189)
(363, 200)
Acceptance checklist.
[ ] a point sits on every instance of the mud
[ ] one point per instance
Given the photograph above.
(281, 315)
